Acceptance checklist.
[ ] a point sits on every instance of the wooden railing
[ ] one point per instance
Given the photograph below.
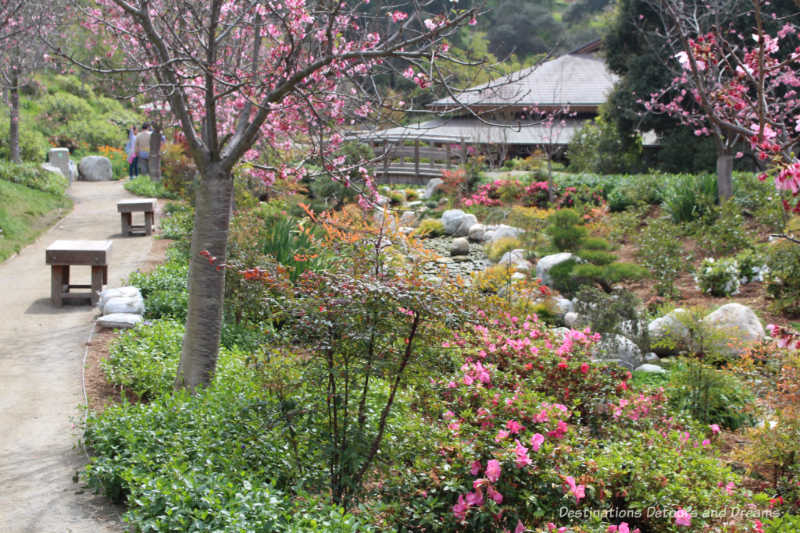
(416, 162)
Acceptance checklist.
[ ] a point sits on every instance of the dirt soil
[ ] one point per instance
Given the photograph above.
(41, 353)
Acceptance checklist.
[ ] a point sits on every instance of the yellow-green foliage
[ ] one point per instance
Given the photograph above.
(430, 227)
(493, 278)
(411, 194)
(496, 249)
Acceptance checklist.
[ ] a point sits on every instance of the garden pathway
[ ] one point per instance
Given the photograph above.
(41, 353)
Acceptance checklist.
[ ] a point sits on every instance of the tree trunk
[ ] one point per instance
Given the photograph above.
(13, 119)
(724, 176)
(155, 154)
(206, 278)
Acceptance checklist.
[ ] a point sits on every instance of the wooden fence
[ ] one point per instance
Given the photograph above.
(415, 162)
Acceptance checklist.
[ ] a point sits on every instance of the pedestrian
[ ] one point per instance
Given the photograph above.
(130, 150)
(142, 147)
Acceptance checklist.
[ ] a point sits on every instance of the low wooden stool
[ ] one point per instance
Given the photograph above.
(63, 254)
(126, 209)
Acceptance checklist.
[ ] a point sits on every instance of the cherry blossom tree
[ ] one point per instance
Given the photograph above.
(250, 77)
(21, 53)
(737, 87)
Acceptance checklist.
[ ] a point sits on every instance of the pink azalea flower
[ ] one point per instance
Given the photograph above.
(683, 518)
(502, 434)
(522, 455)
(475, 468)
(475, 498)
(536, 441)
(714, 429)
(494, 495)
(514, 427)
(520, 527)
(493, 470)
(577, 490)
(460, 508)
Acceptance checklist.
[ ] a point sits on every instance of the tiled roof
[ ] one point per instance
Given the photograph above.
(575, 80)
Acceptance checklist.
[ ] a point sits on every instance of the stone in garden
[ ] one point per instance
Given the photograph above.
(457, 223)
(459, 246)
(619, 348)
(518, 276)
(119, 320)
(477, 233)
(669, 331)
(409, 218)
(405, 230)
(95, 168)
(414, 204)
(523, 266)
(494, 233)
(739, 326)
(651, 357)
(124, 304)
(59, 158)
(571, 319)
(73, 171)
(561, 306)
(549, 261)
(650, 369)
(512, 257)
(432, 187)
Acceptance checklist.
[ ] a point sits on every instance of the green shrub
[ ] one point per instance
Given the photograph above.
(144, 186)
(711, 396)
(598, 257)
(564, 230)
(164, 290)
(33, 176)
(496, 249)
(612, 313)
(599, 147)
(179, 222)
(144, 360)
(661, 253)
(33, 145)
(783, 276)
(430, 227)
(722, 231)
(688, 197)
(751, 265)
(718, 278)
(595, 243)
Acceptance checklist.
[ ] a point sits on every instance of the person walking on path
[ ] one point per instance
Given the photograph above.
(142, 146)
(130, 149)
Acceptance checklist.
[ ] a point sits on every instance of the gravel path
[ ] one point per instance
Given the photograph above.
(41, 352)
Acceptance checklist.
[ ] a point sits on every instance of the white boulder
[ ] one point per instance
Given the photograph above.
(95, 168)
(549, 261)
(739, 326)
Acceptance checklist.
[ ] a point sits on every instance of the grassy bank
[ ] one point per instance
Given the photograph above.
(26, 210)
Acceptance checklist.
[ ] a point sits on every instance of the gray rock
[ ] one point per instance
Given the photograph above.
(518, 276)
(477, 233)
(457, 223)
(650, 369)
(738, 324)
(523, 266)
(571, 319)
(494, 233)
(54, 169)
(409, 219)
(549, 261)
(669, 332)
(460, 246)
(619, 348)
(651, 357)
(562, 306)
(95, 168)
(432, 187)
(119, 320)
(513, 257)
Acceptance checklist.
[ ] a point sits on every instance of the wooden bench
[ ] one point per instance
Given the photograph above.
(126, 208)
(63, 254)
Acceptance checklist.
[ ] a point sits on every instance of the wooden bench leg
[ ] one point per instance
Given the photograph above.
(126, 223)
(148, 222)
(105, 274)
(57, 284)
(97, 282)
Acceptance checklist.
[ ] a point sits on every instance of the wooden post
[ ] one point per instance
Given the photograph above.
(98, 274)
(127, 222)
(447, 151)
(416, 159)
(148, 222)
(385, 159)
(463, 151)
(57, 283)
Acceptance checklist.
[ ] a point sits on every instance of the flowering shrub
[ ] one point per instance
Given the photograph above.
(718, 278)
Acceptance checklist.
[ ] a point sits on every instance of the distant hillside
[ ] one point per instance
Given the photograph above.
(64, 111)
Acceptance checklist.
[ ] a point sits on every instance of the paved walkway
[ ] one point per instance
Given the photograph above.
(41, 352)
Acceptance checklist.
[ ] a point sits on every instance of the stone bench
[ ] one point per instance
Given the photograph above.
(126, 208)
(61, 255)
